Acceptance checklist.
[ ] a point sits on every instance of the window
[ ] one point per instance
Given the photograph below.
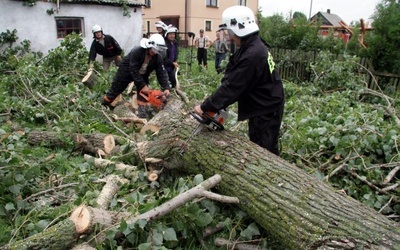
(147, 3)
(242, 2)
(208, 25)
(212, 3)
(68, 25)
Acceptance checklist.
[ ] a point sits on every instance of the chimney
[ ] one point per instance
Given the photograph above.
(329, 11)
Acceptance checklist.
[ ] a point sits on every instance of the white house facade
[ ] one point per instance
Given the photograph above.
(46, 23)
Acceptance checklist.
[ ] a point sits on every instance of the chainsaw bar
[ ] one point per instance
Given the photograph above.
(208, 121)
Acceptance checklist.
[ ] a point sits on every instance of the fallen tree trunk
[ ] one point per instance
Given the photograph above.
(296, 208)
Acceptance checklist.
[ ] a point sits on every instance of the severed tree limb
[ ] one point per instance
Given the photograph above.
(235, 245)
(88, 219)
(129, 119)
(391, 174)
(102, 163)
(113, 183)
(180, 200)
(90, 143)
(128, 171)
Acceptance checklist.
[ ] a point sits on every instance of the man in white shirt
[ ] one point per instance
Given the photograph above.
(202, 44)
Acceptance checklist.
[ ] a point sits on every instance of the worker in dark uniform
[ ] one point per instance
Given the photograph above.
(136, 66)
(106, 46)
(250, 79)
(171, 60)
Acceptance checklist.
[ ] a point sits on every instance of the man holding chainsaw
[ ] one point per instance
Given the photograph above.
(250, 79)
(136, 66)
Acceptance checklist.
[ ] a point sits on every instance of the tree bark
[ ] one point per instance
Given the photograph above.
(296, 208)
(59, 237)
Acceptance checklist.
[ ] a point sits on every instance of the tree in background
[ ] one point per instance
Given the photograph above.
(296, 33)
(384, 42)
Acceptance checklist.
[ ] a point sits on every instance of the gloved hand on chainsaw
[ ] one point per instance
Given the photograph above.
(152, 97)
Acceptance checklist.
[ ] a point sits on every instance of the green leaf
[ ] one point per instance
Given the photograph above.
(157, 238)
(123, 226)
(203, 219)
(10, 206)
(170, 234)
(15, 189)
(250, 231)
(198, 179)
(142, 223)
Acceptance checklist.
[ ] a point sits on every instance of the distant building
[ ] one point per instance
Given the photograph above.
(46, 22)
(189, 15)
(332, 23)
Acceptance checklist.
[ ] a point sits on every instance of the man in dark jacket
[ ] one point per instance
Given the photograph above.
(106, 46)
(171, 60)
(250, 79)
(136, 66)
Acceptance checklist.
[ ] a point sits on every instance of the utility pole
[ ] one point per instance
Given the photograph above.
(309, 15)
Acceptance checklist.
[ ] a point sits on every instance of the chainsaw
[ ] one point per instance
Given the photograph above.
(213, 121)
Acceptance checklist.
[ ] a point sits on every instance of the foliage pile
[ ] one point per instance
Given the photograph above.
(331, 129)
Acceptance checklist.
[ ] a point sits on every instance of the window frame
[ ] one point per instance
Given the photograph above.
(242, 2)
(212, 3)
(147, 3)
(208, 25)
(62, 32)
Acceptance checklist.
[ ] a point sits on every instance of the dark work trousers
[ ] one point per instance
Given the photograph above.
(264, 130)
(218, 59)
(202, 56)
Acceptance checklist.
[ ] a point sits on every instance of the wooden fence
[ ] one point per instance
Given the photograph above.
(294, 66)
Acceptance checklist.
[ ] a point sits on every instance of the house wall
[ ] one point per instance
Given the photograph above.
(196, 11)
(34, 24)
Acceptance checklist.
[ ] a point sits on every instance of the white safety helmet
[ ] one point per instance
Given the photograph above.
(240, 20)
(171, 29)
(97, 28)
(156, 42)
(161, 24)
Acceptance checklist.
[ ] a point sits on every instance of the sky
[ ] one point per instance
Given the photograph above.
(348, 10)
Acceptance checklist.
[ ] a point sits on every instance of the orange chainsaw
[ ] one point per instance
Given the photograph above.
(154, 98)
(211, 120)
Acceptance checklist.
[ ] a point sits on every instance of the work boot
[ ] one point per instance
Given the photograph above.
(106, 102)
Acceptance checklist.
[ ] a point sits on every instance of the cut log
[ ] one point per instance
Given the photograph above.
(89, 78)
(297, 209)
(87, 219)
(109, 143)
(90, 143)
(58, 237)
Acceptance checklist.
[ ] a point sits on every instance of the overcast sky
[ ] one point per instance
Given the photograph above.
(348, 10)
